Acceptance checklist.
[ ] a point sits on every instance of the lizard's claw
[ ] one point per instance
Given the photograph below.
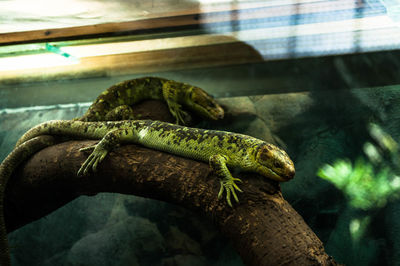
(178, 113)
(93, 160)
(87, 149)
(180, 120)
(230, 187)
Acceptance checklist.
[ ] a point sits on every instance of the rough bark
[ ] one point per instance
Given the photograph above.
(263, 227)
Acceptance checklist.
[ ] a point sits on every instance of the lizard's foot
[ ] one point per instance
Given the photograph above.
(98, 154)
(228, 184)
(178, 113)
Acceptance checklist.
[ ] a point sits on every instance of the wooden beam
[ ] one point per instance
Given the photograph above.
(92, 31)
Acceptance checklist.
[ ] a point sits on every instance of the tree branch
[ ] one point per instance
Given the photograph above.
(263, 227)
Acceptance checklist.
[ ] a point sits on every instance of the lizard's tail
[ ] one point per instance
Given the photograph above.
(7, 167)
(41, 129)
(73, 128)
(70, 128)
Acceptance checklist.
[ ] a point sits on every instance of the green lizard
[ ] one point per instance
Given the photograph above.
(221, 149)
(115, 103)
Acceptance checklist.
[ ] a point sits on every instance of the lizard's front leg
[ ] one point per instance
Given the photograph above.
(218, 164)
(177, 112)
(170, 94)
(100, 150)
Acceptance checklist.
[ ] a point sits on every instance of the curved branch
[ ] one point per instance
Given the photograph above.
(263, 227)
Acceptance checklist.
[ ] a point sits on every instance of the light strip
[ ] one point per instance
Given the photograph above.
(45, 107)
(34, 61)
(264, 3)
(353, 25)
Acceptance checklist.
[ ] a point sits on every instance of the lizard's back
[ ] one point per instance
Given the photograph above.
(124, 93)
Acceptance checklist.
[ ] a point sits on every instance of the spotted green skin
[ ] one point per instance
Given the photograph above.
(220, 148)
(116, 102)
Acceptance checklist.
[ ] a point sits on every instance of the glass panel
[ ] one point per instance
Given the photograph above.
(318, 78)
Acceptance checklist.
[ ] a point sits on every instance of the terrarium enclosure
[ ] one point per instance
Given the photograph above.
(320, 79)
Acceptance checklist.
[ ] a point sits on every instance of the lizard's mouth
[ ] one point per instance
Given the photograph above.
(275, 176)
(280, 177)
(212, 112)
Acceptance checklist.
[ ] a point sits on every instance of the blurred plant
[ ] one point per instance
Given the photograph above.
(364, 187)
(368, 184)
(358, 226)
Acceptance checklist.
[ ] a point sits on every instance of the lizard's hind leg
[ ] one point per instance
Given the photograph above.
(101, 149)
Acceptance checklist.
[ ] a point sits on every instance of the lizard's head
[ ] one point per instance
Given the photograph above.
(204, 104)
(274, 163)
